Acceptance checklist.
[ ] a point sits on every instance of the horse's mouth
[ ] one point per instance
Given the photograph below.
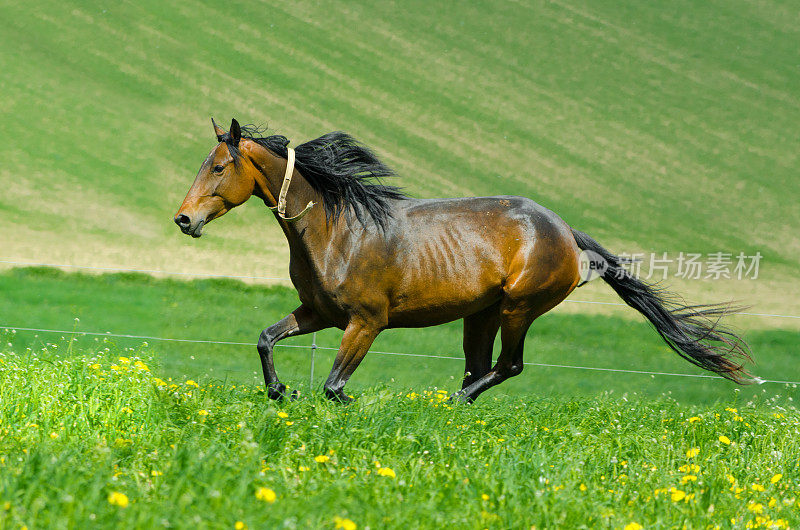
(195, 231)
(198, 231)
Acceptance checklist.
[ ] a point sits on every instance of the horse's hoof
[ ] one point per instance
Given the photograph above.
(276, 391)
(459, 397)
(338, 396)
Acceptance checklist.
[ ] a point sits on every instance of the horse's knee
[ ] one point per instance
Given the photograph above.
(265, 342)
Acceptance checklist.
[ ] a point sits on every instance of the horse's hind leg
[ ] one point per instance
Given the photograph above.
(480, 330)
(300, 321)
(515, 319)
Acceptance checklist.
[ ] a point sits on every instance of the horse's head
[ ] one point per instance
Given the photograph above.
(225, 180)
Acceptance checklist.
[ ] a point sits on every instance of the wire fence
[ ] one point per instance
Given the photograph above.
(313, 347)
(277, 278)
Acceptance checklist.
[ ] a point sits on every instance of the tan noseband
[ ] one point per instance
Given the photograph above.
(287, 179)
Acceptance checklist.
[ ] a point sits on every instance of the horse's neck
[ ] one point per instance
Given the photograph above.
(308, 237)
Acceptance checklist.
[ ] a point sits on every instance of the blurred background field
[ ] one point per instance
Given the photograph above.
(653, 127)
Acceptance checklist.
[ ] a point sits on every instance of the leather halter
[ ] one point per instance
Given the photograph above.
(287, 179)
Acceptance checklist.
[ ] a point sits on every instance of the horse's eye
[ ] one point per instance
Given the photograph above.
(218, 169)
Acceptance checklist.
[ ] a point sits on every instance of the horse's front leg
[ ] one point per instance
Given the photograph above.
(299, 322)
(358, 337)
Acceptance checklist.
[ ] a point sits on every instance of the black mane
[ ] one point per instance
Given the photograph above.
(343, 171)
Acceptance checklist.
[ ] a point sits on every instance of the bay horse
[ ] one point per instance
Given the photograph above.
(365, 257)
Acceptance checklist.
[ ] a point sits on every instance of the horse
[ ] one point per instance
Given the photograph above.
(365, 257)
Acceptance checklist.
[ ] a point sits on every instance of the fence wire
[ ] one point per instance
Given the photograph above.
(314, 347)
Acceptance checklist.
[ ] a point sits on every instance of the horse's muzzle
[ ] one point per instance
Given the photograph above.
(184, 222)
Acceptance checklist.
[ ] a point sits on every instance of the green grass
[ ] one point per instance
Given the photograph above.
(94, 440)
(666, 127)
(653, 127)
(231, 311)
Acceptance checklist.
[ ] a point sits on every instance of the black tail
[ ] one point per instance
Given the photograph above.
(692, 331)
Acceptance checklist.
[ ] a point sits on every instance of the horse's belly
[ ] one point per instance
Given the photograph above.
(443, 299)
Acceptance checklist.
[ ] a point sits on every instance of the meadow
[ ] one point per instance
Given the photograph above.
(231, 311)
(96, 439)
(652, 127)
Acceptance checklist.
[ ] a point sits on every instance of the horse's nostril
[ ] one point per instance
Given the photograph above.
(182, 220)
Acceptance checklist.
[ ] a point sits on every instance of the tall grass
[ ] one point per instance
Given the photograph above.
(97, 440)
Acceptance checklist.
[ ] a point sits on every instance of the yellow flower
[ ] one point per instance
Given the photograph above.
(694, 419)
(118, 499)
(124, 360)
(731, 478)
(266, 495)
(689, 478)
(202, 412)
(290, 423)
(755, 507)
(238, 525)
(689, 468)
(757, 487)
(582, 487)
(190, 382)
(127, 410)
(159, 382)
(386, 472)
(321, 459)
(724, 439)
(776, 478)
(344, 524)
(633, 526)
(155, 473)
(94, 366)
(141, 366)
(691, 453)
(282, 414)
(53, 435)
(484, 497)
(729, 409)
(677, 495)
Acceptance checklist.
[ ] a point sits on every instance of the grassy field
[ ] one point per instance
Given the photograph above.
(224, 310)
(652, 127)
(94, 439)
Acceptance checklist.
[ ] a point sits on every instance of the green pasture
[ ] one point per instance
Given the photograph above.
(96, 440)
(225, 310)
(652, 126)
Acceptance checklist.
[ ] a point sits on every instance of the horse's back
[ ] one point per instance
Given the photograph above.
(489, 215)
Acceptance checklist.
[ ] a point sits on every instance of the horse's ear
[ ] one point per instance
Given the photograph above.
(236, 132)
(219, 131)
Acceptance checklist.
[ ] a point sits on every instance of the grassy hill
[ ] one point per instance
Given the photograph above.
(650, 126)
